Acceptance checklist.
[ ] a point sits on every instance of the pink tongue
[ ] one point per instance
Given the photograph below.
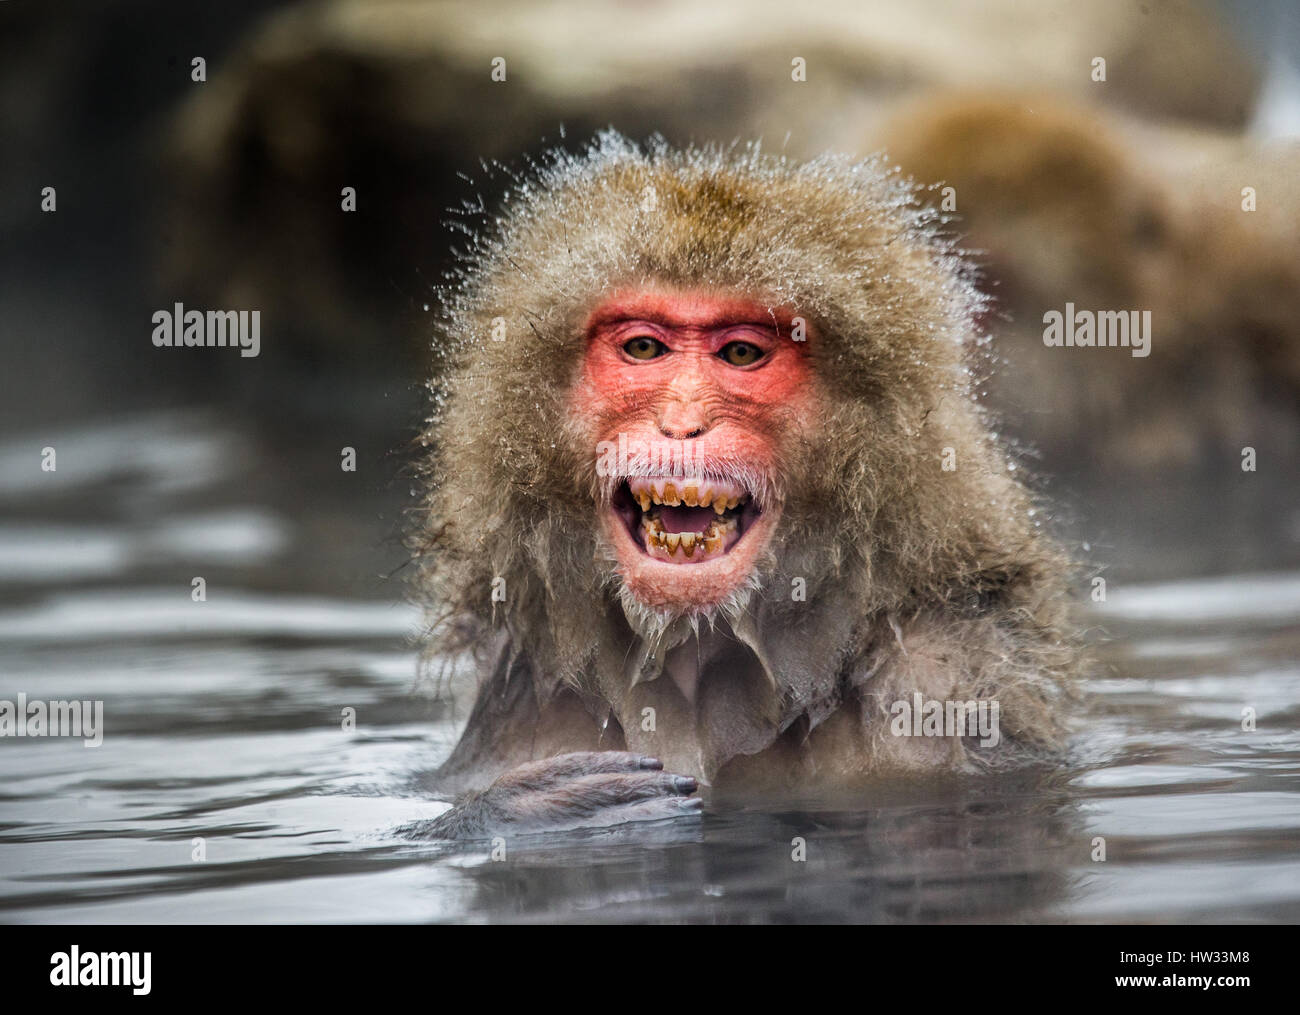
(686, 519)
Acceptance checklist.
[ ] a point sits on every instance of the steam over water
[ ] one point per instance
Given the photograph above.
(223, 723)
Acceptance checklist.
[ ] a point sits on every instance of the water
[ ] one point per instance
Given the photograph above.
(225, 724)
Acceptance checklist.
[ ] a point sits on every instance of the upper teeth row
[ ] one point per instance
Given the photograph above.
(678, 492)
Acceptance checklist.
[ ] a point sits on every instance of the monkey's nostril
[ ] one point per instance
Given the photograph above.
(676, 435)
(683, 421)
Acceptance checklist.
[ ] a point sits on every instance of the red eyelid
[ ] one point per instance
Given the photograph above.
(763, 342)
(759, 337)
(623, 333)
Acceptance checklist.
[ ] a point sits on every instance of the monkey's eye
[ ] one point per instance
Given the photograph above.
(644, 347)
(741, 354)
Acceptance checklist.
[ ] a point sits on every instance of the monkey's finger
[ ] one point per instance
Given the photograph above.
(578, 802)
(595, 762)
(566, 767)
(592, 793)
(656, 809)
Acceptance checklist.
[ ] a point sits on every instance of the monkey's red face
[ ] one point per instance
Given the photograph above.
(689, 395)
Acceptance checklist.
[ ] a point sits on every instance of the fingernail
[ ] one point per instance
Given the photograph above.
(684, 784)
(691, 803)
(651, 763)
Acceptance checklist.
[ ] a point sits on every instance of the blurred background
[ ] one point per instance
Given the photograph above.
(1127, 191)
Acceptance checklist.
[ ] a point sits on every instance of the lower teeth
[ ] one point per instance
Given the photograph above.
(709, 541)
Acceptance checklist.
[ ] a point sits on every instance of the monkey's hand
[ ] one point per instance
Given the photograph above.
(583, 790)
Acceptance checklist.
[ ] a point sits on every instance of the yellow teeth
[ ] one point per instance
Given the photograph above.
(708, 542)
(688, 493)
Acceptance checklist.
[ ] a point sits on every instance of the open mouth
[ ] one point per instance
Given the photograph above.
(685, 520)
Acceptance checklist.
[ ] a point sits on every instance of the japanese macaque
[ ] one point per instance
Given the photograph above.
(710, 501)
(1066, 205)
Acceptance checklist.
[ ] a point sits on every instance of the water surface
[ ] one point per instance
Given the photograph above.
(224, 723)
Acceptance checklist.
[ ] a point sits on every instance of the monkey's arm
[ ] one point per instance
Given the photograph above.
(509, 726)
(574, 783)
(579, 790)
